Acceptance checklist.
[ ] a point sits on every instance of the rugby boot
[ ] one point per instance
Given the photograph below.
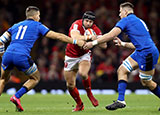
(116, 105)
(79, 107)
(17, 102)
(94, 101)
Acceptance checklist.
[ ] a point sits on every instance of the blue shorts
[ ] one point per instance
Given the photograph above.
(146, 59)
(21, 62)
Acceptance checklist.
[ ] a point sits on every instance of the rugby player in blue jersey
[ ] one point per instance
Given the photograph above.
(23, 35)
(144, 57)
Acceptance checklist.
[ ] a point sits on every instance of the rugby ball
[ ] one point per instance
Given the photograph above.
(89, 32)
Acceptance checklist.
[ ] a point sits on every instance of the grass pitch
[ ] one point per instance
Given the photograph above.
(39, 104)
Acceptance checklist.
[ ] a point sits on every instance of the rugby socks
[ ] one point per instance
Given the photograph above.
(156, 91)
(21, 92)
(87, 85)
(75, 94)
(121, 89)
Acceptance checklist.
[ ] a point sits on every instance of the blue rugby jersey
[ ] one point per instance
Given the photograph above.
(24, 34)
(137, 31)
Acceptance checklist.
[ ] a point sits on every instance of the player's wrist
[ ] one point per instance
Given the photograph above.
(74, 41)
(123, 44)
(2, 49)
(95, 42)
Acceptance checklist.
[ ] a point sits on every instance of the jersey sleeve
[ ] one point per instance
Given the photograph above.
(43, 29)
(97, 31)
(9, 30)
(122, 24)
(75, 27)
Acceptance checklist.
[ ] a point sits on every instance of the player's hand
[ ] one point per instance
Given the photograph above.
(94, 37)
(80, 43)
(88, 45)
(117, 41)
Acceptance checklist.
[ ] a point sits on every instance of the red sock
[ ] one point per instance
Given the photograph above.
(75, 94)
(87, 85)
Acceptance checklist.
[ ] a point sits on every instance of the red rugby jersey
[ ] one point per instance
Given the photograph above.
(74, 50)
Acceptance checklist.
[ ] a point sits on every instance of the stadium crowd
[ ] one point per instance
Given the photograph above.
(60, 14)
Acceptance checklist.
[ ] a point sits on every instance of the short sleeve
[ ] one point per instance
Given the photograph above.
(122, 24)
(75, 27)
(97, 31)
(10, 30)
(43, 29)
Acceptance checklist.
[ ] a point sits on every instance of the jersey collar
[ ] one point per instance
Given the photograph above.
(129, 14)
(29, 19)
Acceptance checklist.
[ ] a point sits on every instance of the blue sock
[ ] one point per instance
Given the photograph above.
(21, 92)
(156, 91)
(121, 89)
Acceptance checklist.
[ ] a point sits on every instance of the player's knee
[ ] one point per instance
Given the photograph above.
(121, 70)
(118, 71)
(70, 86)
(35, 76)
(146, 83)
(143, 83)
(83, 74)
(38, 76)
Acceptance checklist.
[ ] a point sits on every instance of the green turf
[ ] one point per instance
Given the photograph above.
(63, 104)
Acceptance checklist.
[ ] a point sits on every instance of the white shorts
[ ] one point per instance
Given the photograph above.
(72, 63)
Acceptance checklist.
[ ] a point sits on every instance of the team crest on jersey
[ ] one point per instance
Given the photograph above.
(65, 64)
(141, 66)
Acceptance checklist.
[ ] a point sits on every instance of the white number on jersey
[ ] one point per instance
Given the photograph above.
(21, 29)
(144, 25)
(75, 27)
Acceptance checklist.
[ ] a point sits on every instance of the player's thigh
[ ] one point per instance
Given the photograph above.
(35, 75)
(7, 61)
(5, 74)
(70, 76)
(27, 65)
(71, 63)
(128, 65)
(84, 66)
(147, 61)
(146, 79)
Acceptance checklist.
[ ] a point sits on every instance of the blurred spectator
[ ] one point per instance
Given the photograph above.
(106, 70)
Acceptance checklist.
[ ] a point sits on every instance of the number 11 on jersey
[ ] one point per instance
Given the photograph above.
(21, 30)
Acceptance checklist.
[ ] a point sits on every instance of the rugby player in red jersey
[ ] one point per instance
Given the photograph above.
(78, 60)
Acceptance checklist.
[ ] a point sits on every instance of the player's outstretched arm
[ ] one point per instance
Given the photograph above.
(118, 42)
(105, 38)
(103, 45)
(3, 39)
(76, 35)
(62, 37)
